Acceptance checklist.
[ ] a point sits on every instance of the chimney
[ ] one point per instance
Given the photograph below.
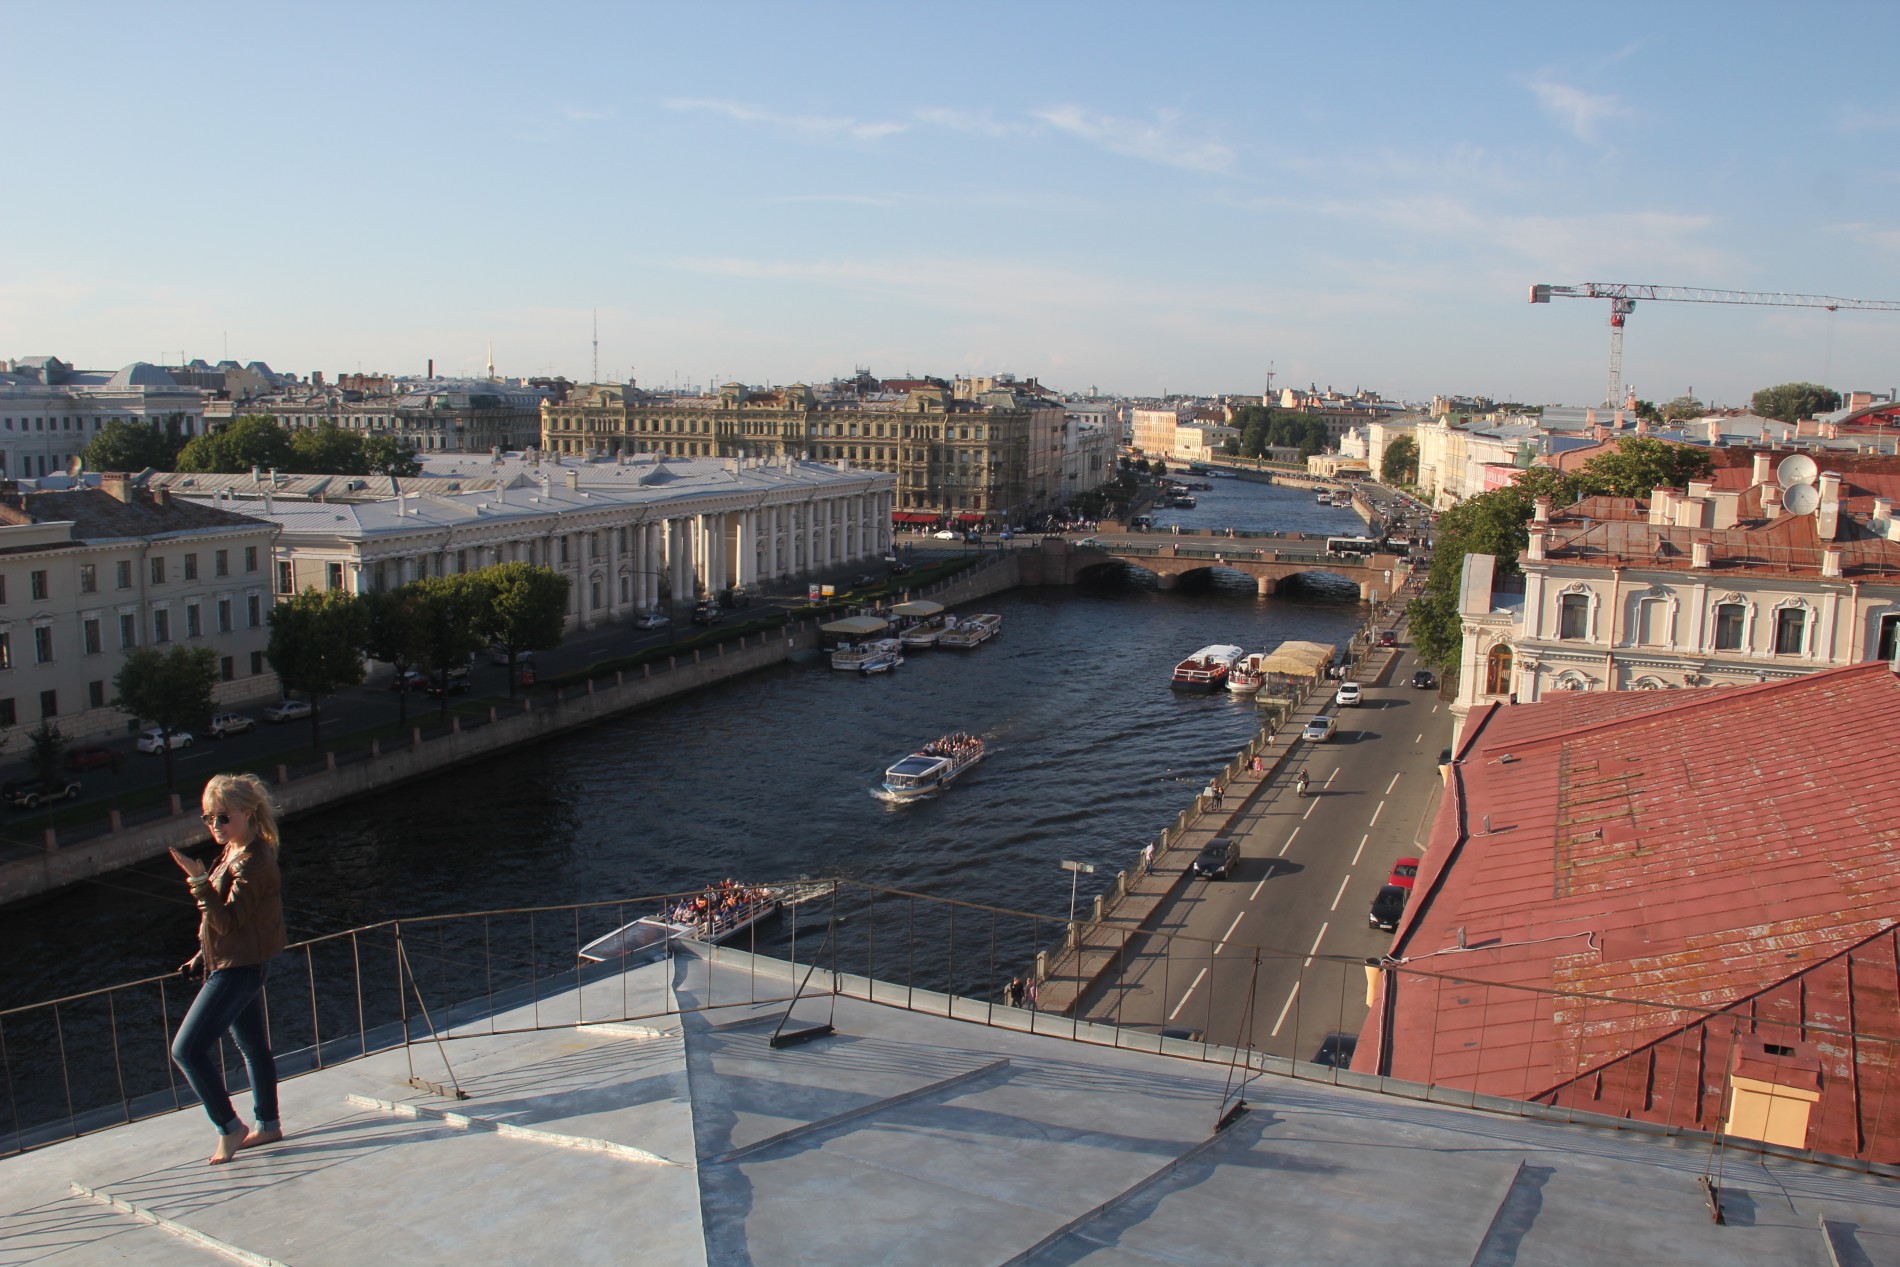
(162, 498)
(1537, 544)
(1541, 508)
(117, 485)
(1764, 468)
(1699, 554)
(573, 481)
(1662, 504)
(1827, 520)
(1883, 514)
(432, 367)
(1771, 502)
(1831, 563)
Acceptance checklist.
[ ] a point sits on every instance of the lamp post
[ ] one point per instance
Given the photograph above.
(1076, 871)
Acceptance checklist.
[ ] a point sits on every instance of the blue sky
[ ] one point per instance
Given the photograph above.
(1134, 197)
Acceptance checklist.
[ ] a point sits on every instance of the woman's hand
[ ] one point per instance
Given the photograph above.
(194, 966)
(193, 869)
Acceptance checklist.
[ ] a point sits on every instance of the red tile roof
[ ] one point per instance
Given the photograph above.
(1636, 876)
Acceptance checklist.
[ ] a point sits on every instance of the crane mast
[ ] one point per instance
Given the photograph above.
(1623, 297)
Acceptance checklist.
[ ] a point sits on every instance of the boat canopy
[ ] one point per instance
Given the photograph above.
(856, 626)
(1299, 659)
(916, 607)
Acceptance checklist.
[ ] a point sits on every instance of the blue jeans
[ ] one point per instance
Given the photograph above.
(231, 999)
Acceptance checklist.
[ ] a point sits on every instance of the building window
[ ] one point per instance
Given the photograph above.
(461, 560)
(250, 558)
(283, 577)
(1652, 622)
(128, 632)
(88, 579)
(161, 626)
(43, 644)
(254, 608)
(1573, 616)
(257, 663)
(94, 643)
(194, 623)
(1497, 671)
(191, 567)
(333, 576)
(6, 650)
(1889, 638)
(96, 694)
(1791, 625)
(7, 717)
(226, 669)
(38, 585)
(158, 571)
(123, 575)
(1728, 627)
(221, 563)
(224, 615)
(49, 704)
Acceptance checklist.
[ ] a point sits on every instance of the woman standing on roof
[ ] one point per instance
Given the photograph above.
(240, 930)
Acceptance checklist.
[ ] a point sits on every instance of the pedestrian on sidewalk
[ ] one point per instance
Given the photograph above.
(1013, 992)
(1148, 858)
(1029, 994)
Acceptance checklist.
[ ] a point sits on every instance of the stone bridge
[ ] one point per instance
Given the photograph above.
(1267, 559)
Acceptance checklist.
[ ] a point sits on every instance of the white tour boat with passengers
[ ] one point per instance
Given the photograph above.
(880, 655)
(1208, 668)
(718, 914)
(924, 620)
(972, 631)
(932, 766)
(1247, 675)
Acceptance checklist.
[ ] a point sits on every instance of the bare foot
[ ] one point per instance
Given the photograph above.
(257, 1137)
(228, 1144)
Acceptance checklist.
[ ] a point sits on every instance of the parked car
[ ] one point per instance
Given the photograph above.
(92, 756)
(1348, 696)
(1335, 1050)
(287, 710)
(1404, 873)
(31, 793)
(973, 537)
(944, 534)
(409, 680)
(1217, 858)
(645, 620)
(155, 740)
(1386, 908)
(498, 656)
(230, 724)
(1388, 638)
(1424, 681)
(456, 683)
(1320, 729)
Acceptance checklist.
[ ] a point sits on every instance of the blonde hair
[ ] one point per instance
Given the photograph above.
(246, 792)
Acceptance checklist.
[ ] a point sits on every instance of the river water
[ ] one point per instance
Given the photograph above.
(774, 777)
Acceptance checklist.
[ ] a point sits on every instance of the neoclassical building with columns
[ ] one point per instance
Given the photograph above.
(634, 533)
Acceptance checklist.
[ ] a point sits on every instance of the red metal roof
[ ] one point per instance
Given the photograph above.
(1636, 877)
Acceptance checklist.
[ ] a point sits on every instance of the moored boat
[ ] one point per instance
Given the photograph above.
(880, 655)
(932, 766)
(1208, 668)
(972, 631)
(1247, 675)
(925, 622)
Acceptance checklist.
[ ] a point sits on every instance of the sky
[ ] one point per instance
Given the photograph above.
(1135, 198)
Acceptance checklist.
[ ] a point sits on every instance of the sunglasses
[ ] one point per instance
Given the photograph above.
(216, 820)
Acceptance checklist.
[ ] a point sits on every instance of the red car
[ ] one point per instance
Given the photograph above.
(1404, 872)
(93, 756)
(1389, 638)
(409, 680)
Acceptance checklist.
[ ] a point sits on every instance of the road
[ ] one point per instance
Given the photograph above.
(1276, 951)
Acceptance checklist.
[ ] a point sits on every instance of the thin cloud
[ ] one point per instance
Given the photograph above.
(1577, 112)
(1861, 119)
(1878, 236)
(972, 122)
(582, 114)
(813, 125)
(855, 200)
(1159, 142)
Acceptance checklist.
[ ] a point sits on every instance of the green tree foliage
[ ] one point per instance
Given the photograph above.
(1262, 428)
(258, 440)
(255, 440)
(1158, 468)
(386, 455)
(526, 609)
(316, 646)
(1683, 408)
(327, 450)
(396, 631)
(1639, 464)
(1398, 465)
(134, 446)
(1791, 402)
(47, 749)
(454, 609)
(170, 688)
(1646, 410)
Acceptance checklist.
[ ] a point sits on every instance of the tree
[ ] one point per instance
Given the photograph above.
(1791, 402)
(454, 607)
(1683, 408)
(327, 449)
(1158, 468)
(49, 749)
(1639, 464)
(134, 446)
(526, 609)
(396, 632)
(255, 440)
(171, 688)
(1646, 410)
(386, 455)
(316, 646)
(1399, 464)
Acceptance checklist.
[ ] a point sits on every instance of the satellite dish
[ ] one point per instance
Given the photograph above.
(1797, 469)
(1801, 499)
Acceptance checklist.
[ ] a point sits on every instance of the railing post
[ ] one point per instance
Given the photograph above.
(283, 776)
(179, 808)
(52, 841)
(329, 761)
(375, 747)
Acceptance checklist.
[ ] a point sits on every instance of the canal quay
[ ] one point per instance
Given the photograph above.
(774, 777)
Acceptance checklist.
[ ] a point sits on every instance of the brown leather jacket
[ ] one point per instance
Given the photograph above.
(242, 901)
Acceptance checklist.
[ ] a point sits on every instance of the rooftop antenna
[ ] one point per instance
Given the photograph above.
(596, 377)
(491, 360)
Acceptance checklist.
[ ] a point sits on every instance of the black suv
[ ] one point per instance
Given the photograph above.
(1424, 681)
(31, 793)
(1386, 908)
(1217, 858)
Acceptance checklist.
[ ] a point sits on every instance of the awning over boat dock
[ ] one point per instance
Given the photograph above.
(916, 607)
(856, 626)
(1299, 659)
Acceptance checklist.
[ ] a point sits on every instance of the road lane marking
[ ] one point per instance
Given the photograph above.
(1313, 951)
(1189, 994)
(1342, 891)
(1420, 738)
(1289, 842)
(1361, 849)
(1394, 783)
(1375, 815)
(1330, 777)
(1261, 885)
(1309, 809)
(1222, 943)
(1284, 1009)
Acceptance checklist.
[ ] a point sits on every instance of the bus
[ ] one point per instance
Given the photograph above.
(1348, 547)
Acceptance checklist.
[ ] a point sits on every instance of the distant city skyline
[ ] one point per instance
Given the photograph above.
(1123, 197)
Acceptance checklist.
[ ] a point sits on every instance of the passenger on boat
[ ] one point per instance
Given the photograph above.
(953, 746)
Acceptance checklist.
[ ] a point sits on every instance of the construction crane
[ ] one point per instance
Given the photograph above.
(1623, 299)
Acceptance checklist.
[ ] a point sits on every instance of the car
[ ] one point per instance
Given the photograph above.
(1424, 681)
(898, 567)
(92, 756)
(1335, 1051)
(409, 680)
(499, 655)
(944, 534)
(230, 724)
(645, 620)
(455, 683)
(974, 537)
(155, 740)
(32, 793)
(1404, 872)
(1320, 729)
(1387, 906)
(288, 710)
(708, 614)
(1217, 858)
(1388, 638)
(1348, 696)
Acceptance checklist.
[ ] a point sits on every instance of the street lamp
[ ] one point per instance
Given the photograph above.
(1076, 871)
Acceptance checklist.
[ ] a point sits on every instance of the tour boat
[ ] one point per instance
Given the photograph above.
(1207, 669)
(925, 633)
(650, 934)
(972, 631)
(932, 766)
(1247, 675)
(876, 656)
(1182, 501)
(1324, 497)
